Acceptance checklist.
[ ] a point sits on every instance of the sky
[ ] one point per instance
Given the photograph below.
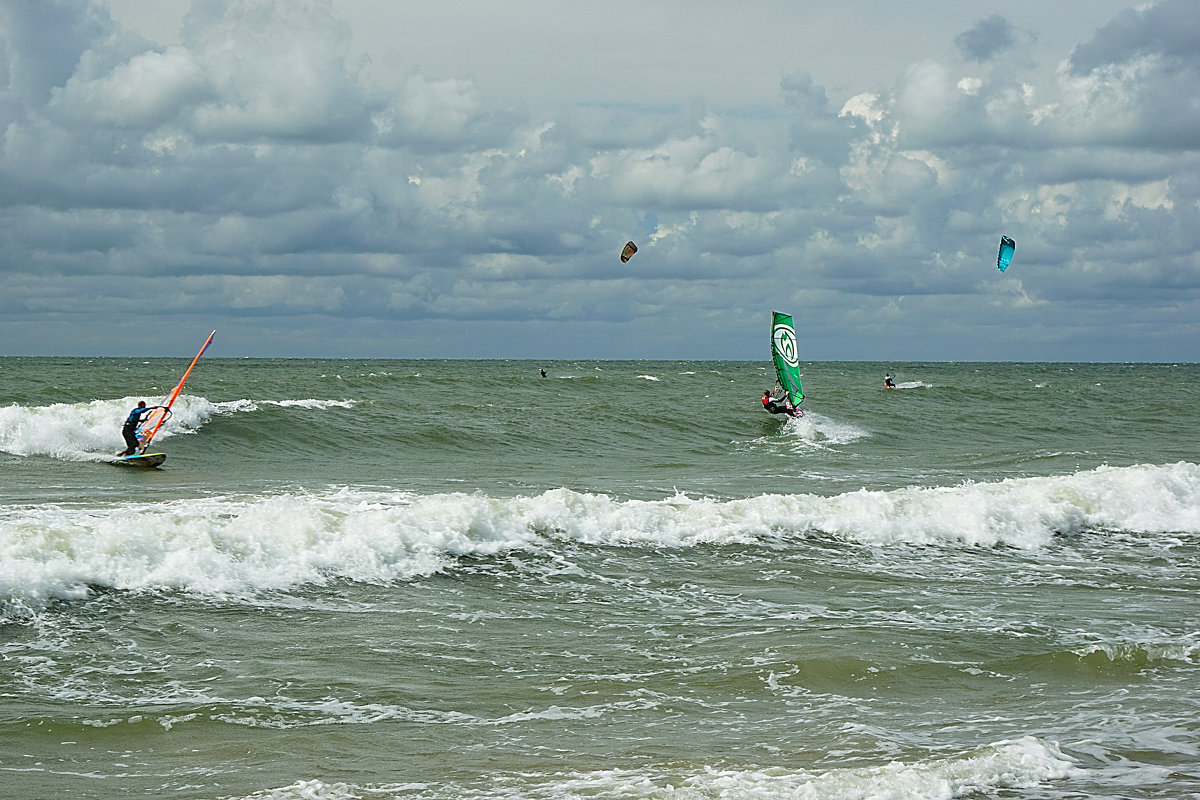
(456, 179)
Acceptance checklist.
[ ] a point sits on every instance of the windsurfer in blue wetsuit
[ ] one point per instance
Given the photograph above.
(129, 429)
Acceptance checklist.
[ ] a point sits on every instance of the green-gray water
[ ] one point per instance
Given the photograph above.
(445, 579)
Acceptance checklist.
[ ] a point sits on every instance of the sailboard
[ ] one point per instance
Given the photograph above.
(785, 352)
(155, 419)
(145, 461)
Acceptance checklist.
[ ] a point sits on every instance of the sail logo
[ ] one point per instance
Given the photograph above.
(785, 344)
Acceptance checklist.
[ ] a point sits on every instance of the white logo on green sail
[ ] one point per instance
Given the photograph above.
(785, 344)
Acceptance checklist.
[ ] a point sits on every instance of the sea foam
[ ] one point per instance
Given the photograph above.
(1005, 765)
(85, 431)
(89, 431)
(237, 545)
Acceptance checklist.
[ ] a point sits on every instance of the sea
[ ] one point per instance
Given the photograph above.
(440, 579)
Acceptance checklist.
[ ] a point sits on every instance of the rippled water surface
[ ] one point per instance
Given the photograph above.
(447, 579)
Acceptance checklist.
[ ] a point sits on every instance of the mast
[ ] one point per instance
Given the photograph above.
(159, 415)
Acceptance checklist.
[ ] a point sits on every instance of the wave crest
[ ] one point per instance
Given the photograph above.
(232, 545)
(92, 430)
(1005, 765)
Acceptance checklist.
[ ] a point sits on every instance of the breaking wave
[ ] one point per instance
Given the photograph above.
(92, 430)
(1006, 765)
(235, 545)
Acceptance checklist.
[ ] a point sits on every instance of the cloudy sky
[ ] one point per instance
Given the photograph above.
(456, 178)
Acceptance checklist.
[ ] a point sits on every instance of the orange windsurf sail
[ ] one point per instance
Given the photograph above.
(158, 416)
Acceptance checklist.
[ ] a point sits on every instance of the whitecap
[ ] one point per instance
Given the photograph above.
(242, 545)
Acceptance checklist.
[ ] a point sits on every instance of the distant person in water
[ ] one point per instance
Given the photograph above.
(888, 382)
(129, 429)
(543, 373)
(779, 405)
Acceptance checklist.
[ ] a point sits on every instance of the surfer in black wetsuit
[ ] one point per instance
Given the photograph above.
(888, 381)
(129, 429)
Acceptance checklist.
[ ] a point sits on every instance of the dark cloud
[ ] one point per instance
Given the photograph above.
(817, 131)
(44, 41)
(1134, 83)
(1169, 29)
(986, 39)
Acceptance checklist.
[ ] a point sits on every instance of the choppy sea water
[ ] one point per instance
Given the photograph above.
(448, 579)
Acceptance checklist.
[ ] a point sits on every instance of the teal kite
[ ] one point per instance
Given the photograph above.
(1007, 248)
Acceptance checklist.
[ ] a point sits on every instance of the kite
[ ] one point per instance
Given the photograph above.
(628, 251)
(1007, 248)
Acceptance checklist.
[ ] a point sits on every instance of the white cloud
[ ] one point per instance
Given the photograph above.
(266, 163)
(144, 92)
(864, 106)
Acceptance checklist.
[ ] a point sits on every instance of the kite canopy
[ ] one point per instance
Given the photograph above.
(1007, 248)
(626, 252)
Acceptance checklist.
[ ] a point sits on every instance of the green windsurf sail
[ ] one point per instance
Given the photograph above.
(786, 353)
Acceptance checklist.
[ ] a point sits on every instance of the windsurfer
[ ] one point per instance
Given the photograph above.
(129, 429)
(779, 405)
(888, 381)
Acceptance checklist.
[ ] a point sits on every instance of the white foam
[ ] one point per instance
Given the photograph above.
(241, 545)
(315, 790)
(85, 431)
(311, 403)
(1014, 764)
(817, 431)
(246, 405)
(235, 546)
(90, 431)
(1140, 653)
(1021, 763)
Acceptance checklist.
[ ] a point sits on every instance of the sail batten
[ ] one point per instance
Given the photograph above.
(785, 352)
(155, 419)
